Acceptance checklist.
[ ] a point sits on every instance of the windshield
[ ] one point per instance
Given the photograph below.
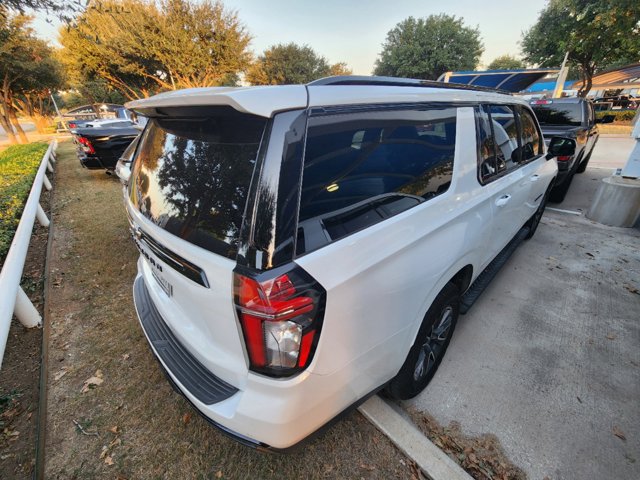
(191, 175)
(559, 114)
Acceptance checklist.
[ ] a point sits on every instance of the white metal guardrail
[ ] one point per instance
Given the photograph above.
(12, 297)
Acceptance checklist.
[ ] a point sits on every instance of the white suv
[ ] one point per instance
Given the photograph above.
(306, 246)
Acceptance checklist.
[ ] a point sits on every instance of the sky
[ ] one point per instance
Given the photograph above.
(353, 31)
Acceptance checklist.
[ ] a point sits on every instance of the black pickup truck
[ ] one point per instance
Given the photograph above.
(572, 118)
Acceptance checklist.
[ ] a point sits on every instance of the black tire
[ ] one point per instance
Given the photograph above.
(429, 347)
(534, 221)
(583, 165)
(558, 192)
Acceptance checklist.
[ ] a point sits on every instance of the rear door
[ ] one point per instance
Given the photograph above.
(537, 171)
(507, 185)
(186, 199)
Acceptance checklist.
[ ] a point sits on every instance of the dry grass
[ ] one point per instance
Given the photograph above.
(612, 128)
(145, 429)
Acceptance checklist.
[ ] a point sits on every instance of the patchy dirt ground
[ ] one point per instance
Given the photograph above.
(20, 373)
(128, 423)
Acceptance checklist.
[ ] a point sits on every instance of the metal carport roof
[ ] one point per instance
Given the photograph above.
(624, 77)
(511, 80)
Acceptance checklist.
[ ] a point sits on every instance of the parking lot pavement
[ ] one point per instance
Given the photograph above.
(548, 359)
(611, 151)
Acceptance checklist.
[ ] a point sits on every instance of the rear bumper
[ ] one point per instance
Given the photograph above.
(90, 162)
(264, 413)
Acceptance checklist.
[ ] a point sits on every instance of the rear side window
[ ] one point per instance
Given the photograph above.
(491, 164)
(360, 168)
(505, 132)
(530, 138)
(191, 174)
(507, 137)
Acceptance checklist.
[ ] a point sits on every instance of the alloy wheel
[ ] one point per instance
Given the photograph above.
(432, 348)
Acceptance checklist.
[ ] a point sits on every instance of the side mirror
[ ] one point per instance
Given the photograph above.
(561, 146)
(606, 119)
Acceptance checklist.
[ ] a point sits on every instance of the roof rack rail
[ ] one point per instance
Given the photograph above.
(398, 82)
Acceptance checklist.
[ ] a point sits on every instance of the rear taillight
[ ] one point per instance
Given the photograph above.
(281, 316)
(563, 158)
(87, 147)
(72, 125)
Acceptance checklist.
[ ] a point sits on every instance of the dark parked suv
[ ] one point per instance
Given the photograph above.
(572, 118)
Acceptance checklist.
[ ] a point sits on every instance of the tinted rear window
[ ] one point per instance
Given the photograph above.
(559, 114)
(191, 175)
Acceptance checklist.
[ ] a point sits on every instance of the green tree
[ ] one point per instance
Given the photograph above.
(22, 5)
(596, 34)
(140, 47)
(292, 64)
(340, 68)
(28, 70)
(427, 48)
(90, 92)
(506, 62)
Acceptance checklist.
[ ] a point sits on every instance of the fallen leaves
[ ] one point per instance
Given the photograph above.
(186, 418)
(482, 457)
(619, 433)
(632, 289)
(107, 450)
(611, 336)
(92, 382)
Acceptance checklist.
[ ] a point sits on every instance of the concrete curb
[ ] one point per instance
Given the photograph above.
(434, 462)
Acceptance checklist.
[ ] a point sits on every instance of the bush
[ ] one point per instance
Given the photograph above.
(619, 115)
(18, 167)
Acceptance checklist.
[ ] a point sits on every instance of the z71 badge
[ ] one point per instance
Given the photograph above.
(156, 268)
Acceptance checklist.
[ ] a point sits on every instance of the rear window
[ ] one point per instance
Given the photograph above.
(191, 174)
(559, 114)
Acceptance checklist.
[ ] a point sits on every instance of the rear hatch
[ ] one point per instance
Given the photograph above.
(186, 198)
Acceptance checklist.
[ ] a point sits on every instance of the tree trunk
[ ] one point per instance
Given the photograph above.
(4, 114)
(10, 112)
(4, 121)
(14, 120)
(587, 71)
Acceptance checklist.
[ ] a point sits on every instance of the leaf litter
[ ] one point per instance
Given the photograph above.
(482, 457)
(92, 382)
